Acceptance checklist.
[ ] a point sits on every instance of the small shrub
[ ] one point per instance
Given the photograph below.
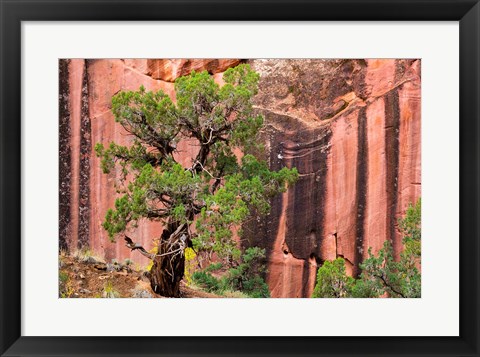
(214, 267)
(63, 277)
(244, 280)
(109, 292)
(206, 281)
(381, 273)
(332, 281)
(82, 254)
(247, 276)
(68, 291)
(65, 285)
(235, 294)
(85, 255)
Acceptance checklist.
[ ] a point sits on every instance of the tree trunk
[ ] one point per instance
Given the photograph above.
(167, 270)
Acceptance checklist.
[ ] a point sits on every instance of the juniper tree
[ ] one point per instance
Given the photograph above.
(202, 202)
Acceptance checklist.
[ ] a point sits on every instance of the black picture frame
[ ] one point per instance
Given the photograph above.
(467, 12)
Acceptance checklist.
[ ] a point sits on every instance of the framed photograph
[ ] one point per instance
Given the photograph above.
(239, 178)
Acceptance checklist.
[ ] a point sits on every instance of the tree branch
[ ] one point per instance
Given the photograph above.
(149, 135)
(160, 213)
(387, 285)
(217, 181)
(135, 246)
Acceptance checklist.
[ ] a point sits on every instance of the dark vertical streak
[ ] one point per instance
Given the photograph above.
(305, 216)
(84, 182)
(306, 212)
(305, 278)
(321, 188)
(307, 150)
(65, 163)
(262, 230)
(361, 189)
(392, 128)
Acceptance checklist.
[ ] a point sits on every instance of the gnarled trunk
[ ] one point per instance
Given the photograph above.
(169, 264)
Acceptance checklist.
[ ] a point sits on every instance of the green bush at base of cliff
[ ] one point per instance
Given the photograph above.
(381, 275)
(206, 281)
(332, 280)
(245, 278)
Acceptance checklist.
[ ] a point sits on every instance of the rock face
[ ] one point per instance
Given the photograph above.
(169, 70)
(350, 127)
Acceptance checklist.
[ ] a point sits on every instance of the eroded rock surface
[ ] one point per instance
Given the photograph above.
(352, 129)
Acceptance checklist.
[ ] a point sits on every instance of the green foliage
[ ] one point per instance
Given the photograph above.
(207, 281)
(381, 273)
(63, 276)
(410, 227)
(66, 287)
(332, 281)
(361, 288)
(219, 190)
(245, 278)
(248, 190)
(213, 267)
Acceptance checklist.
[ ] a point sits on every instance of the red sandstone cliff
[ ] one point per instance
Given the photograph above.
(351, 127)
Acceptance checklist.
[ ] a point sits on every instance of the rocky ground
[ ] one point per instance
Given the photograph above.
(84, 276)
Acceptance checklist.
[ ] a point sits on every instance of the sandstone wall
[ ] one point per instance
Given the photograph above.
(351, 127)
